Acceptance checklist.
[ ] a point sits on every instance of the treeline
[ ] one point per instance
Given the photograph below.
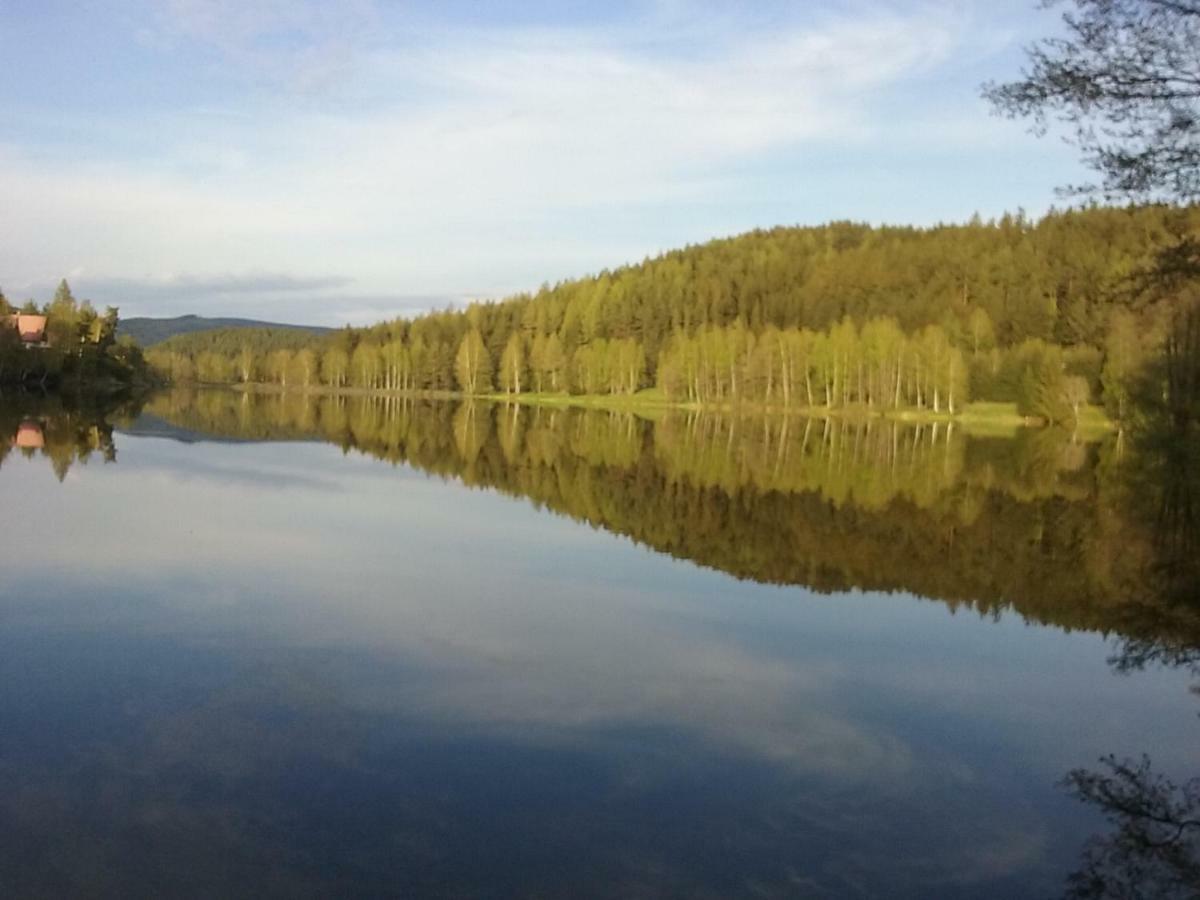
(880, 367)
(1043, 524)
(1049, 313)
(81, 346)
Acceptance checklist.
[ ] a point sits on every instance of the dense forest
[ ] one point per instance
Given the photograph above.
(1061, 531)
(80, 351)
(1049, 314)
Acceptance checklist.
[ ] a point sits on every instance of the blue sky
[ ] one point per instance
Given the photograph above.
(348, 162)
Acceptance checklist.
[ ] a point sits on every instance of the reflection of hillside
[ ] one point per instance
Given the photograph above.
(1033, 523)
(866, 463)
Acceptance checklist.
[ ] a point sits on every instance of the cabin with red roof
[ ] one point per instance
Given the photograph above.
(31, 328)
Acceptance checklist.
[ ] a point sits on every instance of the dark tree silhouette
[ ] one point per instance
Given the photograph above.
(1126, 78)
(1155, 850)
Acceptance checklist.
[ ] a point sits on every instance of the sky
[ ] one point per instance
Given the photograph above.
(333, 163)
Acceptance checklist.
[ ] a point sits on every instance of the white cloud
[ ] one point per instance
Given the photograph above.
(455, 160)
(227, 283)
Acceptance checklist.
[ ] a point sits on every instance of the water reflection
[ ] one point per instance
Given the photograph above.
(1031, 520)
(1153, 849)
(64, 432)
(313, 674)
(30, 436)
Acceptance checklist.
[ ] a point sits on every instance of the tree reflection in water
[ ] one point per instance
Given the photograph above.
(1154, 849)
(1091, 536)
(1079, 535)
(66, 431)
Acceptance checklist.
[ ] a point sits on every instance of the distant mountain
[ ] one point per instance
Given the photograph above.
(147, 331)
(153, 426)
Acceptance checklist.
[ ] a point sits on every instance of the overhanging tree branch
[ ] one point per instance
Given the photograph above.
(1126, 80)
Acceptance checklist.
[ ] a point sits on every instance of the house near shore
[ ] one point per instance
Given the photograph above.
(31, 328)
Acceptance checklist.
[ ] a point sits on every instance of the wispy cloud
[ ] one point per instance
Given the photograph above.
(298, 44)
(446, 158)
(224, 284)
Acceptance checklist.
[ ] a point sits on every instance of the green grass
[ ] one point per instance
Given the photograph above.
(989, 419)
(648, 403)
(1092, 420)
(992, 411)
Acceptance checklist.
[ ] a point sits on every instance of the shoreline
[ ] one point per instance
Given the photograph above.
(649, 404)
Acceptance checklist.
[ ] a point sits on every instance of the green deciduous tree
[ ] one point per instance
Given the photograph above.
(512, 364)
(473, 364)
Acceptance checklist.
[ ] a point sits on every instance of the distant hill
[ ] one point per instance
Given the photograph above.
(148, 331)
(147, 425)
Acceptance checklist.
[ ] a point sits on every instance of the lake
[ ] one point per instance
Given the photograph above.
(270, 645)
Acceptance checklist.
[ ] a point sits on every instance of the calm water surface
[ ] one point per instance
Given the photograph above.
(259, 647)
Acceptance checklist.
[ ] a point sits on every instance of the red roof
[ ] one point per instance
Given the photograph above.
(32, 328)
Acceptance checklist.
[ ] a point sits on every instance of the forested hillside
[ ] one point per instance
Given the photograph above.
(1047, 313)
